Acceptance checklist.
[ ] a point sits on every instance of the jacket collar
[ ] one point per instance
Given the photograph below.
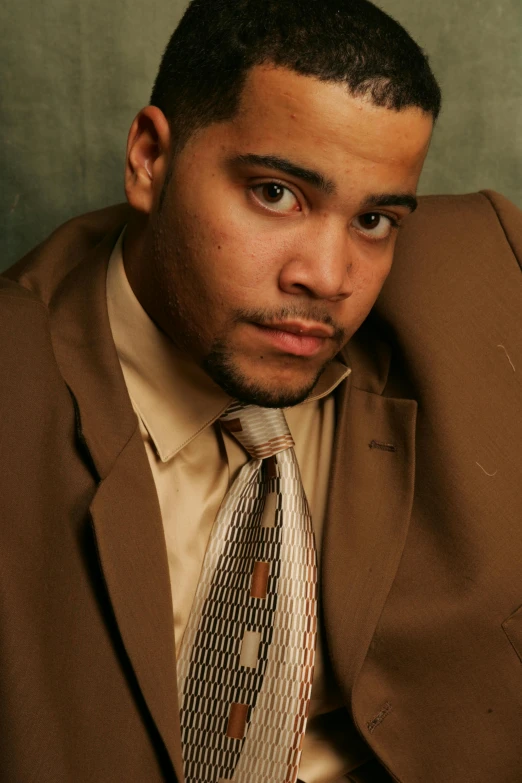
(87, 357)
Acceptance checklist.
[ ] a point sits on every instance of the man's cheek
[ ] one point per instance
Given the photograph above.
(361, 292)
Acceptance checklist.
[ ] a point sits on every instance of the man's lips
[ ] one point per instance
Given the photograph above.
(298, 338)
(302, 328)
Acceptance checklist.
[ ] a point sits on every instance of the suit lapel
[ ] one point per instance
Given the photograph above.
(369, 510)
(129, 535)
(125, 510)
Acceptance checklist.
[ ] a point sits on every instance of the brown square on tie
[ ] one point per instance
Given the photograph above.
(233, 425)
(237, 721)
(271, 467)
(259, 584)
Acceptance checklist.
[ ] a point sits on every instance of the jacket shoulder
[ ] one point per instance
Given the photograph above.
(510, 218)
(13, 295)
(23, 319)
(453, 242)
(44, 267)
(452, 298)
(34, 399)
(466, 225)
(25, 339)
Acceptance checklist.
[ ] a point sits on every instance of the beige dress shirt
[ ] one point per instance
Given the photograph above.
(194, 462)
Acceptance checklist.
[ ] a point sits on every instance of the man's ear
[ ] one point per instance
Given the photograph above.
(147, 159)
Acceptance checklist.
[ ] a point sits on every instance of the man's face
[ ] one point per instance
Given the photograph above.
(276, 231)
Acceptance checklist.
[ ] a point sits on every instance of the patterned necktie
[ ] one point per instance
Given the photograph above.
(246, 662)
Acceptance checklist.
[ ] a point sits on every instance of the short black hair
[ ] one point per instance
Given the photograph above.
(217, 42)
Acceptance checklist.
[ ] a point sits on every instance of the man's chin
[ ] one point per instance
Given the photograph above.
(276, 390)
(271, 398)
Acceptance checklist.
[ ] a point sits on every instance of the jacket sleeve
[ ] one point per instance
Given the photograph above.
(510, 218)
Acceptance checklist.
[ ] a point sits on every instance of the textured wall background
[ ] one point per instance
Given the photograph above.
(74, 74)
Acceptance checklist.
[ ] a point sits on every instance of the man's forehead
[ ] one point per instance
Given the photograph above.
(279, 105)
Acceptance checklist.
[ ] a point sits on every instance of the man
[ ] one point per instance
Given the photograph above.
(266, 183)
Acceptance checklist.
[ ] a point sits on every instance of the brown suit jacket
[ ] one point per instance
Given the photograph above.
(422, 582)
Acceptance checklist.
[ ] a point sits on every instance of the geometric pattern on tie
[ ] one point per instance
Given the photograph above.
(246, 662)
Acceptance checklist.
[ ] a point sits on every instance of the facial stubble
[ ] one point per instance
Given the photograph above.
(221, 366)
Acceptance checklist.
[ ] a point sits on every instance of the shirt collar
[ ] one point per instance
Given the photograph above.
(174, 398)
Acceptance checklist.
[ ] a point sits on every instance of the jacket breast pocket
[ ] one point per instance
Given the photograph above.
(512, 627)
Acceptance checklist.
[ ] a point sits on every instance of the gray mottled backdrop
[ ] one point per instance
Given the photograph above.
(74, 74)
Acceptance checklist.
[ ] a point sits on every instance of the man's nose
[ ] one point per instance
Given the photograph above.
(321, 266)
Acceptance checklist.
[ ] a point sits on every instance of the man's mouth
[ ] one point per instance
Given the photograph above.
(301, 328)
(298, 338)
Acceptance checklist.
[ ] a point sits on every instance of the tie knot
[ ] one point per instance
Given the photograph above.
(263, 432)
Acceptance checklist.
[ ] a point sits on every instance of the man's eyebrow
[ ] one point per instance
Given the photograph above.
(391, 200)
(314, 178)
(321, 182)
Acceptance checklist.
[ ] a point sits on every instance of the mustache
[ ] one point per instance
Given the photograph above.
(298, 312)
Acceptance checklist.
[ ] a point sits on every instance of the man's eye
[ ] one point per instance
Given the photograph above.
(276, 197)
(375, 225)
